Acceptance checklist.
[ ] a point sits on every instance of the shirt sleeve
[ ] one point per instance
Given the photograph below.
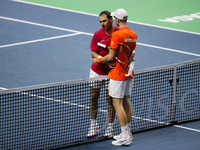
(93, 45)
(114, 41)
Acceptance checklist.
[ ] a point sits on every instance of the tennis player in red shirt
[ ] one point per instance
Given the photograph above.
(103, 35)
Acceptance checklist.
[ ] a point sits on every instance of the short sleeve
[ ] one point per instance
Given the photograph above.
(114, 41)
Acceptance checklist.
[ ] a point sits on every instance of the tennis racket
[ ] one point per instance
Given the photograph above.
(125, 51)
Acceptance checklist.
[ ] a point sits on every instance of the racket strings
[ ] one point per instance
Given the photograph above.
(123, 54)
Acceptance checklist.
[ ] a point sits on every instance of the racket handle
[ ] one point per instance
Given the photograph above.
(102, 45)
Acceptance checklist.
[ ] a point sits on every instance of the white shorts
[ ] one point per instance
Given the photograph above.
(119, 89)
(97, 84)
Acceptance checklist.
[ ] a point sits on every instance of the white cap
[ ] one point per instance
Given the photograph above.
(120, 14)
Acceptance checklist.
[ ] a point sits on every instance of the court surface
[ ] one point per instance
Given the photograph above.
(43, 41)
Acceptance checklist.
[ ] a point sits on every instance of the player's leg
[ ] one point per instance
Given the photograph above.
(121, 114)
(128, 110)
(127, 105)
(94, 95)
(111, 116)
(111, 109)
(118, 92)
(122, 118)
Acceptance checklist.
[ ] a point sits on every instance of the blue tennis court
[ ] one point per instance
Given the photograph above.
(42, 44)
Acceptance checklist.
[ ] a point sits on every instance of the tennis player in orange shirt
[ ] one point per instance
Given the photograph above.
(121, 81)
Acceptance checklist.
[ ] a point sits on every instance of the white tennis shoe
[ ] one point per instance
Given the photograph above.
(93, 130)
(116, 137)
(122, 141)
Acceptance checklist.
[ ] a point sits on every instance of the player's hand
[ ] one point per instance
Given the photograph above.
(94, 61)
(111, 64)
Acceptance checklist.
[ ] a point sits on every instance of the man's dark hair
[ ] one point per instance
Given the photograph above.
(107, 13)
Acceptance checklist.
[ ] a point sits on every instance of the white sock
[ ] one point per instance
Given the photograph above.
(93, 122)
(124, 132)
(111, 124)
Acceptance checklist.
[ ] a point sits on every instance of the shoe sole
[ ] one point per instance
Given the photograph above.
(118, 138)
(126, 144)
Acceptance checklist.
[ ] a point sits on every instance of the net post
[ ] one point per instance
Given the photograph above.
(174, 97)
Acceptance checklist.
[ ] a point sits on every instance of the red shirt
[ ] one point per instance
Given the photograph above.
(102, 37)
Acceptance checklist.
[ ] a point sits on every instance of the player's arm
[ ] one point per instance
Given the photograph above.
(107, 59)
(94, 54)
(110, 57)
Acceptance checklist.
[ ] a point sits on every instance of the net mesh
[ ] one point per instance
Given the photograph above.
(58, 114)
(188, 92)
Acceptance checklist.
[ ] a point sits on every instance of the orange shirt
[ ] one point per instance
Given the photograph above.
(126, 36)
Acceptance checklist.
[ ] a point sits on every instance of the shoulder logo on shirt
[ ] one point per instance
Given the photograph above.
(130, 40)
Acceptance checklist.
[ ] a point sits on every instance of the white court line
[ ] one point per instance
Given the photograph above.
(42, 25)
(145, 119)
(191, 129)
(178, 126)
(1, 88)
(39, 40)
(64, 9)
(168, 49)
(79, 32)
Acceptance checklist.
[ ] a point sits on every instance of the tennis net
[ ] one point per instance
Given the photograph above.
(57, 115)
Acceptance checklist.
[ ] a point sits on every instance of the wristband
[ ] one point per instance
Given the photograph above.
(99, 60)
